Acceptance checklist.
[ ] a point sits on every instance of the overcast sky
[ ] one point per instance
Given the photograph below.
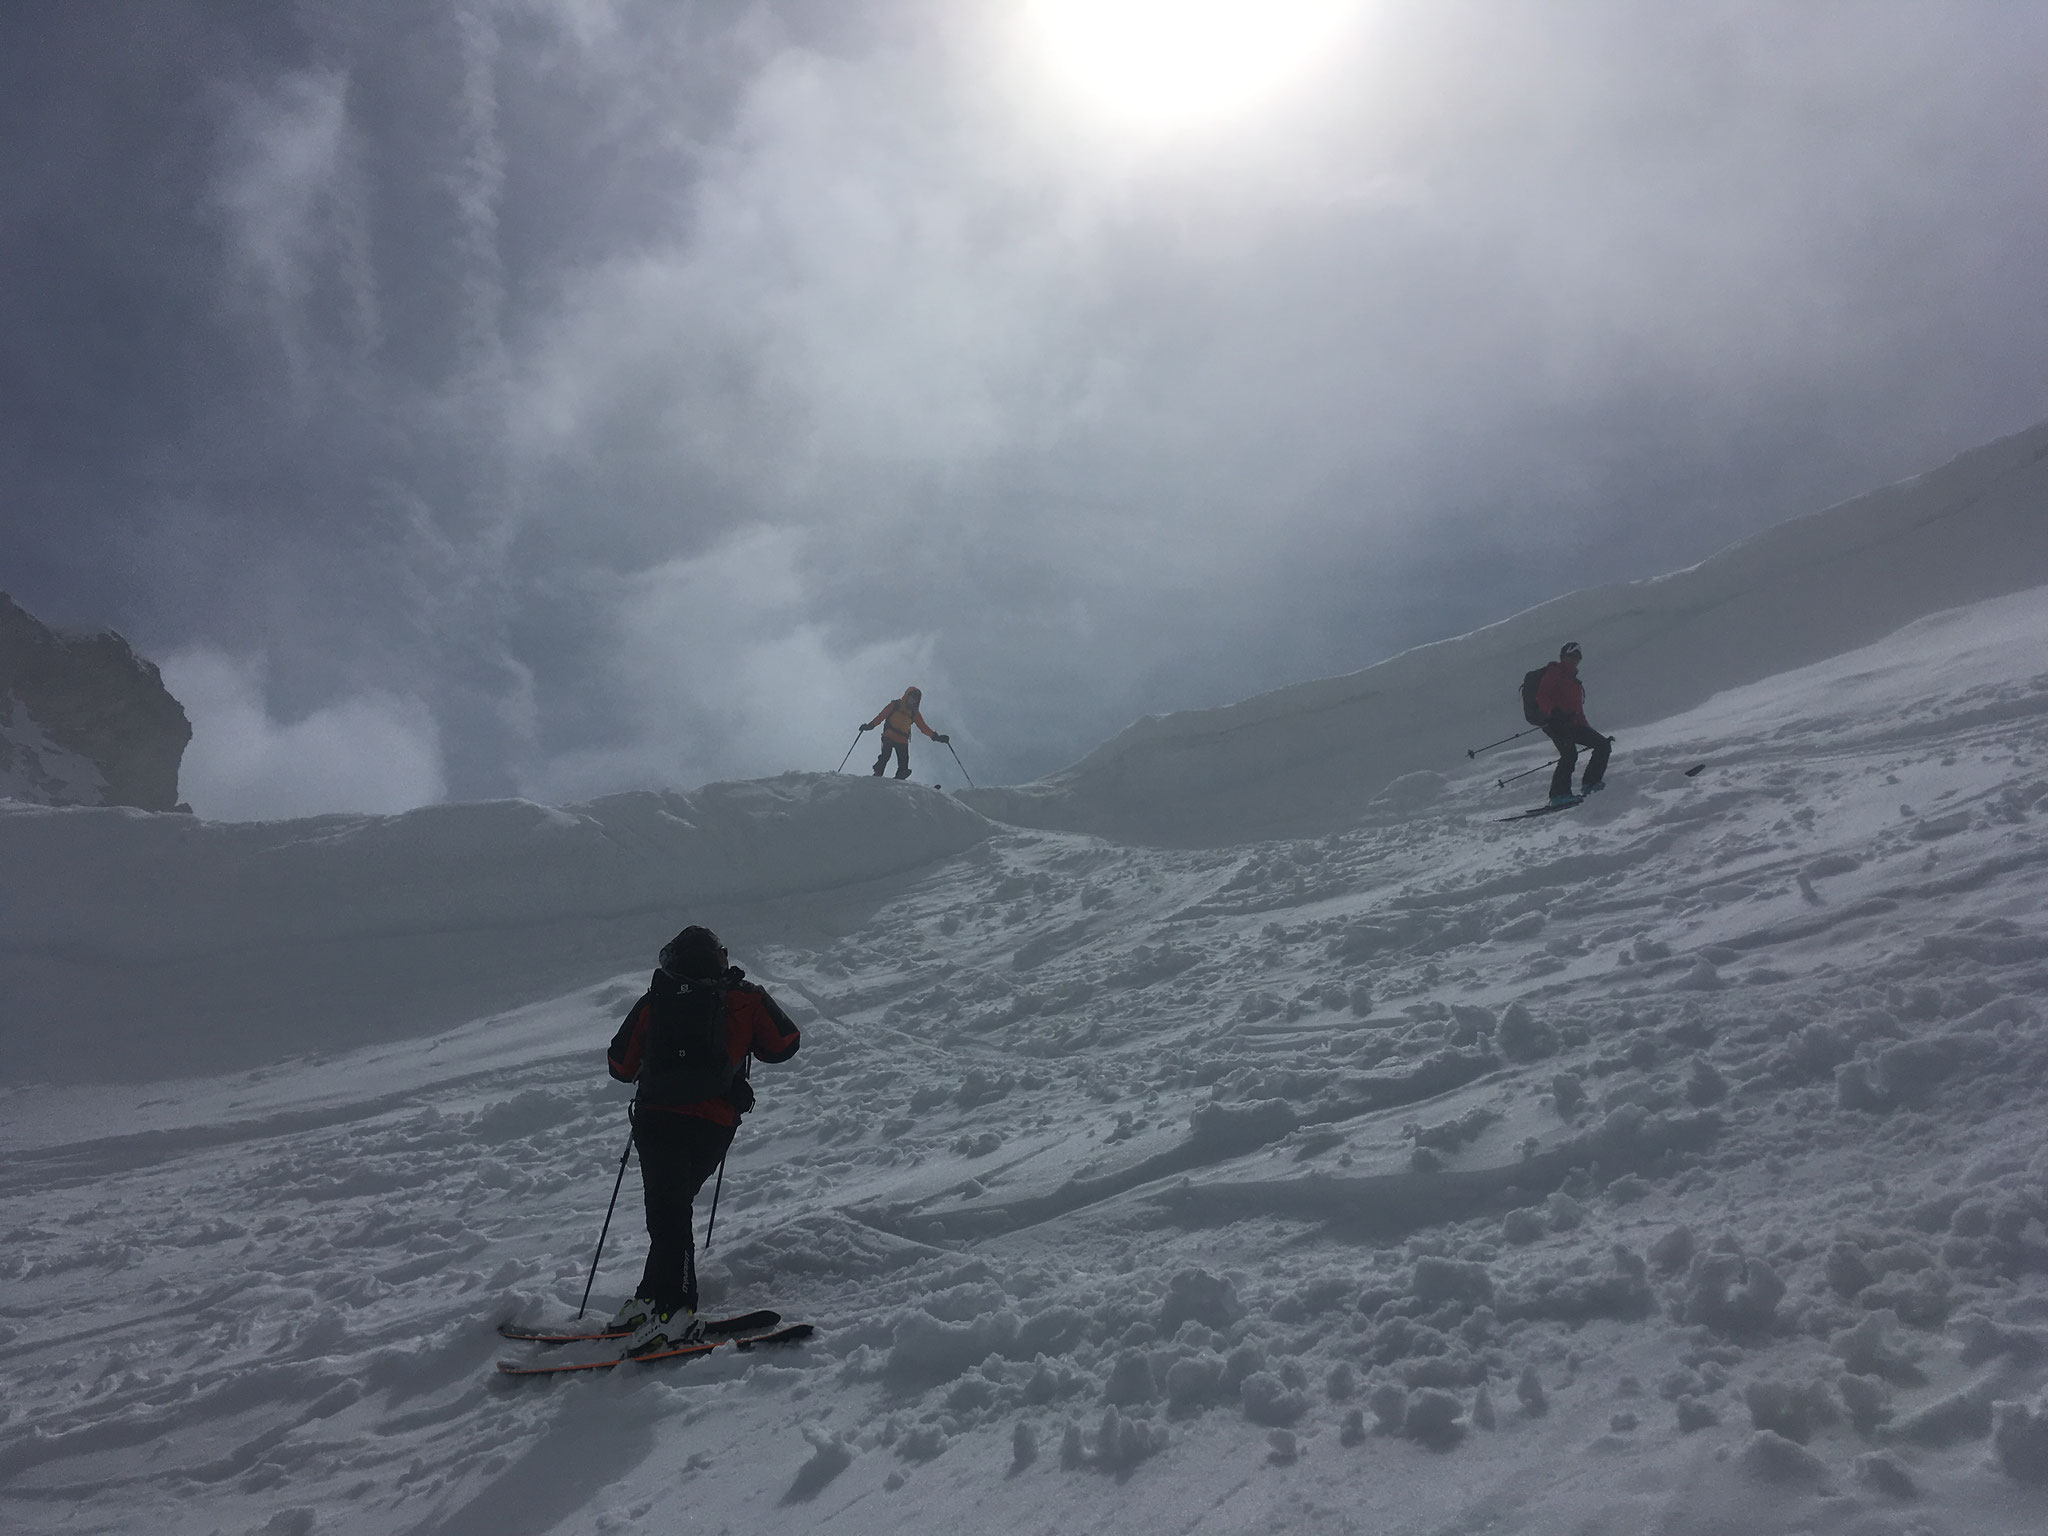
(550, 397)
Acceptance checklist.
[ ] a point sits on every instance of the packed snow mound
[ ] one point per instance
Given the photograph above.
(1311, 758)
(190, 944)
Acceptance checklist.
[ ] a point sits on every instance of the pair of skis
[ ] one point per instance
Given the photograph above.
(1577, 800)
(747, 1331)
(1545, 810)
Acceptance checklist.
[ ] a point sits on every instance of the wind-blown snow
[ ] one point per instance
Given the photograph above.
(1674, 1164)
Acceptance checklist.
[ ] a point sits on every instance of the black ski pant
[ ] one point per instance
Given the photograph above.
(902, 751)
(677, 1154)
(1568, 738)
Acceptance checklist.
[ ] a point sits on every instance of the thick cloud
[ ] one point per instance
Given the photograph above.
(372, 752)
(643, 393)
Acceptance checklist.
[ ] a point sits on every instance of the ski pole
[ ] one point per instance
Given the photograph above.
(1475, 751)
(711, 1226)
(621, 1179)
(1504, 783)
(849, 751)
(961, 766)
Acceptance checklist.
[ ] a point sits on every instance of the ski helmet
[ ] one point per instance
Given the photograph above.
(913, 692)
(695, 952)
(1570, 652)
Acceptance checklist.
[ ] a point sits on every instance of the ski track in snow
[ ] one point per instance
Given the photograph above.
(1675, 1164)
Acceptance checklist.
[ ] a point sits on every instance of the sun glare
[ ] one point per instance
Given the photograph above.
(1165, 64)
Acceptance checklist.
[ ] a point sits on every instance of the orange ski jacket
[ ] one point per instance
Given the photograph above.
(900, 716)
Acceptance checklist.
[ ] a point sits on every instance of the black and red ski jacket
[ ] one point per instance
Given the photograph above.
(1561, 697)
(755, 1025)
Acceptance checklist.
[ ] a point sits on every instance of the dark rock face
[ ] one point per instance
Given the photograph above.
(84, 720)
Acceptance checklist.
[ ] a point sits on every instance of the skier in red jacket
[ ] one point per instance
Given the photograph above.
(1561, 706)
(687, 1042)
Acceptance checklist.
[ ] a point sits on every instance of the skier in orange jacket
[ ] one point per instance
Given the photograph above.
(896, 719)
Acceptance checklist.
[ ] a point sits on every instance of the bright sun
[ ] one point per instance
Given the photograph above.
(1166, 64)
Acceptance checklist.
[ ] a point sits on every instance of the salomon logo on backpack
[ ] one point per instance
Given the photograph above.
(686, 1057)
(1531, 681)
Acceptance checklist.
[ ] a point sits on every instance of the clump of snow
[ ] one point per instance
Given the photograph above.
(1950, 1420)
(1868, 1400)
(1523, 1037)
(1130, 1380)
(2020, 1440)
(1412, 791)
(1770, 1457)
(1887, 1474)
(1435, 1418)
(1792, 1409)
(830, 1456)
(1197, 1296)
(1270, 1399)
(1874, 1346)
(1732, 1294)
(1694, 1415)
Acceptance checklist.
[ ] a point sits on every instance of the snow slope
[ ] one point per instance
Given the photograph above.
(254, 940)
(1306, 759)
(1672, 1165)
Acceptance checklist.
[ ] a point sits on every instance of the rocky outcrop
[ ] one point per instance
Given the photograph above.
(84, 720)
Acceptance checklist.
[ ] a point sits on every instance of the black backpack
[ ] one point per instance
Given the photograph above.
(1531, 681)
(685, 1057)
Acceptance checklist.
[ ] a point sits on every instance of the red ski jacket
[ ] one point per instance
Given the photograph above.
(1559, 689)
(754, 1025)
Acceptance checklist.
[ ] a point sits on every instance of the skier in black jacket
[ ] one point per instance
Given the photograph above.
(1561, 706)
(686, 1109)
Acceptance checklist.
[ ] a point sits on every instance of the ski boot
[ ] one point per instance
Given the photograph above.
(665, 1331)
(629, 1317)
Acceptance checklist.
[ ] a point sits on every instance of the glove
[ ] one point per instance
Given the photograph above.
(866, 728)
(942, 739)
